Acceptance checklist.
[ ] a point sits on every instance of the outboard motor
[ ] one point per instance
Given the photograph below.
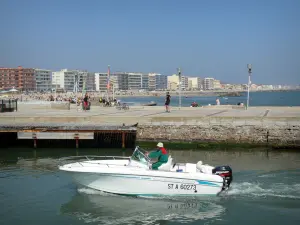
(226, 173)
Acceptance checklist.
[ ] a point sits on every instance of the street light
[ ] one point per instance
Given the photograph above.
(249, 66)
(179, 77)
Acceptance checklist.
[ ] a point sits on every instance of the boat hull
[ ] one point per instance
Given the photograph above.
(139, 185)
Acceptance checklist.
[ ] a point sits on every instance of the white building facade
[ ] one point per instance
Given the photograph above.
(73, 80)
(208, 83)
(43, 79)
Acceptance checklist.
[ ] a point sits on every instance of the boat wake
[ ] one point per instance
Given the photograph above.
(259, 190)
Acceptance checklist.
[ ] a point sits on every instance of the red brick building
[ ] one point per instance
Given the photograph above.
(20, 78)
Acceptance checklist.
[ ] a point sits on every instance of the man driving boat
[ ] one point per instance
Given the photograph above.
(162, 155)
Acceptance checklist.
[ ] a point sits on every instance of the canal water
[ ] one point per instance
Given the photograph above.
(265, 190)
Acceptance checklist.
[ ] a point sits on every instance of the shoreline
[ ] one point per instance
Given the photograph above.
(200, 93)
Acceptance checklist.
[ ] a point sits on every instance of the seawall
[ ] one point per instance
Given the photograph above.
(272, 126)
(276, 134)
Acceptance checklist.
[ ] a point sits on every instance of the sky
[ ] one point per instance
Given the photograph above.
(212, 38)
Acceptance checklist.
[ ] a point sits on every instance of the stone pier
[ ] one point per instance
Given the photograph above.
(275, 126)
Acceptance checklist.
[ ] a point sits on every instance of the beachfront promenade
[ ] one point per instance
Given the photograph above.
(277, 125)
(151, 115)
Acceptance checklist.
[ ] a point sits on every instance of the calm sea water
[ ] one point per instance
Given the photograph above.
(291, 98)
(265, 190)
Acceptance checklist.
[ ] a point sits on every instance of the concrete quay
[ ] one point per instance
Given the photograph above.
(275, 126)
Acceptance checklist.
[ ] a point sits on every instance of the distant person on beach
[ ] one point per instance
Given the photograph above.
(167, 102)
(85, 101)
(218, 101)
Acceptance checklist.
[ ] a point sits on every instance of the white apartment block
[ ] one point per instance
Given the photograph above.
(217, 84)
(152, 81)
(208, 83)
(193, 83)
(184, 83)
(138, 81)
(73, 80)
(43, 79)
(101, 81)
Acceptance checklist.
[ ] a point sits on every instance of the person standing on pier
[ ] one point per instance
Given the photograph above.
(85, 101)
(167, 102)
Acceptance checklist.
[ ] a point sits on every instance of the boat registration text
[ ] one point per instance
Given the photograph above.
(182, 186)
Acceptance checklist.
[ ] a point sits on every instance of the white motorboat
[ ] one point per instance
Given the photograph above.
(134, 176)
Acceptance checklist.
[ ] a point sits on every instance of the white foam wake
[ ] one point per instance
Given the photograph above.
(280, 190)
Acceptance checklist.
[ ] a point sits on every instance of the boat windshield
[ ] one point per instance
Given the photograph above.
(140, 156)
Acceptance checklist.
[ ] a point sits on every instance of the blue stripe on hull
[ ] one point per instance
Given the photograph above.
(201, 182)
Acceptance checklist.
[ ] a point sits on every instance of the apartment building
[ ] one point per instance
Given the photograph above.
(152, 81)
(195, 83)
(135, 81)
(161, 82)
(20, 78)
(200, 83)
(65, 79)
(184, 83)
(157, 81)
(173, 82)
(101, 81)
(208, 83)
(73, 80)
(217, 84)
(86, 81)
(43, 80)
(145, 81)
(121, 81)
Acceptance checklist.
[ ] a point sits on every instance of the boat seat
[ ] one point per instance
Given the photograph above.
(204, 168)
(190, 168)
(166, 166)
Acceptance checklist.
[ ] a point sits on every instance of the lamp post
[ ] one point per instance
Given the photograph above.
(249, 66)
(179, 77)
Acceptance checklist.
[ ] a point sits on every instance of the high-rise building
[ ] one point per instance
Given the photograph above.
(145, 82)
(199, 83)
(196, 83)
(121, 81)
(217, 84)
(19, 78)
(65, 79)
(135, 81)
(73, 80)
(152, 81)
(86, 81)
(157, 81)
(161, 82)
(43, 79)
(101, 81)
(193, 83)
(208, 83)
(118, 81)
(184, 83)
(173, 82)
(114, 82)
